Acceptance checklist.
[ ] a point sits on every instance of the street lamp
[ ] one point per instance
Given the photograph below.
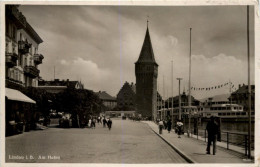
(179, 97)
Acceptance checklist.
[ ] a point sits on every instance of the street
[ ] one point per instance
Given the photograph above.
(126, 142)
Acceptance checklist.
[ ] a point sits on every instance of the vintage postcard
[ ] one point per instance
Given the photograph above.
(134, 83)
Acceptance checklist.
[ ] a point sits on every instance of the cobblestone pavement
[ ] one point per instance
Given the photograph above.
(126, 142)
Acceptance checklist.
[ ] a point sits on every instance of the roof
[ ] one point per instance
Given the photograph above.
(146, 55)
(16, 95)
(105, 96)
(127, 86)
(222, 97)
(183, 95)
(33, 33)
(57, 82)
(244, 89)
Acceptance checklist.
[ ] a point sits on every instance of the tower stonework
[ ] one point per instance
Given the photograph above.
(146, 72)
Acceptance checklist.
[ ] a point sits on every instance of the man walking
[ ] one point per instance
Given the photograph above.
(160, 126)
(212, 129)
(109, 123)
(169, 125)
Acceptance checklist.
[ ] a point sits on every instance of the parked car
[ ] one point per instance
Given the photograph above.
(123, 117)
(65, 121)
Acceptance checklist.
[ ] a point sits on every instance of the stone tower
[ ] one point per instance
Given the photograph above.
(146, 71)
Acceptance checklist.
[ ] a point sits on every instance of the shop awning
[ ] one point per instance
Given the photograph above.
(16, 95)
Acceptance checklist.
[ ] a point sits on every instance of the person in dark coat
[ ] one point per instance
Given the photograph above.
(165, 124)
(109, 123)
(212, 129)
(169, 125)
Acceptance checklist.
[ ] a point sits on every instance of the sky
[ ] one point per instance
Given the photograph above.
(99, 45)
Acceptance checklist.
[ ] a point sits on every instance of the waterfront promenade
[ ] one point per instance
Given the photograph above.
(194, 150)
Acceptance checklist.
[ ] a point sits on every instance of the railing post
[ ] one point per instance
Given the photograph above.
(245, 145)
(227, 140)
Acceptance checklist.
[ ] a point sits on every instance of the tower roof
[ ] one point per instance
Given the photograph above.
(146, 55)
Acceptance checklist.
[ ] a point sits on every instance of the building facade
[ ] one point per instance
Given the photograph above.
(108, 101)
(21, 50)
(240, 96)
(21, 70)
(146, 71)
(126, 97)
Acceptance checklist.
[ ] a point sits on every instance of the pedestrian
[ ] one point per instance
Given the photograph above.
(89, 123)
(212, 129)
(109, 123)
(165, 124)
(160, 126)
(169, 125)
(98, 120)
(93, 123)
(179, 128)
(104, 122)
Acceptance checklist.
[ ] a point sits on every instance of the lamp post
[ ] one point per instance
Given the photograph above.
(179, 97)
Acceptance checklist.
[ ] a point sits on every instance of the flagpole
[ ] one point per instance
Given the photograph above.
(189, 86)
(249, 88)
(163, 97)
(172, 92)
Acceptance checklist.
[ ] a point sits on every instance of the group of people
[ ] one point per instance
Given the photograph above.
(212, 128)
(100, 120)
(107, 122)
(168, 125)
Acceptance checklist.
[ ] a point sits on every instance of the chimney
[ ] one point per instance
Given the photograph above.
(68, 80)
(239, 86)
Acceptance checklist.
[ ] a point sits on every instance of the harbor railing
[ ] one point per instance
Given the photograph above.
(230, 138)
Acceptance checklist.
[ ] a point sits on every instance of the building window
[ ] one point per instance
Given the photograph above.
(7, 28)
(14, 33)
(12, 74)
(25, 61)
(16, 75)
(6, 47)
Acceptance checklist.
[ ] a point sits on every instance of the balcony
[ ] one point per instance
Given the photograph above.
(10, 59)
(24, 47)
(38, 58)
(31, 71)
(13, 84)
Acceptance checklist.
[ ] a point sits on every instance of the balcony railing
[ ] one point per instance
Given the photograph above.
(24, 47)
(38, 58)
(10, 59)
(12, 83)
(31, 71)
